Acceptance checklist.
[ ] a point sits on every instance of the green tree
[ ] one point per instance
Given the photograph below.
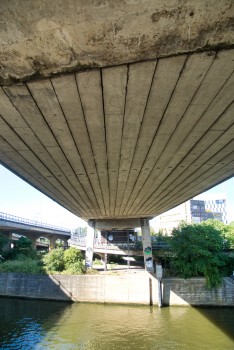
(84, 230)
(23, 243)
(72, 256)
(226, 230)
(54, 260)
(230, 234)
(196, 251)
(152, 231)
(22, 247)
(217, 225)
(3, 242)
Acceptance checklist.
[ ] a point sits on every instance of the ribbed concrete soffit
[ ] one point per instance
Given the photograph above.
(126, 141)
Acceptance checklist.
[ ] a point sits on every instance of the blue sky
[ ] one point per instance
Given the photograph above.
(20, 199)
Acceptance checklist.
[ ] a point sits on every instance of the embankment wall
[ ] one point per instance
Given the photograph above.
(126, 289)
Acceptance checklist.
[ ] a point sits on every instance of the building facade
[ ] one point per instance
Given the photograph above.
(196, 210)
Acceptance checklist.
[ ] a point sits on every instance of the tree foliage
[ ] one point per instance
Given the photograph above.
(197, 251)
(57, 261)
(226, 230)
(152, 231)
(3, 242)
(72, 256)
(22, 247)
(54, 260)
(23, 265)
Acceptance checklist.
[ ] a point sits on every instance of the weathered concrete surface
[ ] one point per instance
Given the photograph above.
(41, 38)
(127, 289)
(123, 142)
(147, 128)
(177, 291)
(100, 289)
(119, 224)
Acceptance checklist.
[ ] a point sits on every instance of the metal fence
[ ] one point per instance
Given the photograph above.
(156, 244)
(12, 218)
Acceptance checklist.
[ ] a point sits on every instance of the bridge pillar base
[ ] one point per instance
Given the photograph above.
(147, 247)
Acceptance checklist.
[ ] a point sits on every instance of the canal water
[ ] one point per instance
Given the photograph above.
(28, 324)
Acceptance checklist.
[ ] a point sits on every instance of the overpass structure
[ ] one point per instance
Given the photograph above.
(32, 229)
(118, 111)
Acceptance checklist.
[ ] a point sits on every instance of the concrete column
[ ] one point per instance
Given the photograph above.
(52, 241)
(65, 244)
(89, 244)
(33, 239)
(147, 247)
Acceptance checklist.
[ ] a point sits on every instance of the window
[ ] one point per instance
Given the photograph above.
(220, 201)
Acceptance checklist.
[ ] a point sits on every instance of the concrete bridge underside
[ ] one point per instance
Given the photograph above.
(128, 141)
(117, 109)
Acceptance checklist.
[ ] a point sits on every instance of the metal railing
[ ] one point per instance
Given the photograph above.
(157, 245)
(13, 218)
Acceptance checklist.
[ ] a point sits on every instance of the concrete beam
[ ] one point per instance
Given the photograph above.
(109, 224)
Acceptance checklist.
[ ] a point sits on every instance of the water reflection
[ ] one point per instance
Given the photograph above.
(54, 325)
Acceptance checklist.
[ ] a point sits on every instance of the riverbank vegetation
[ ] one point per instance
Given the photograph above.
(24, 259)
(195, 250)
(199, 250)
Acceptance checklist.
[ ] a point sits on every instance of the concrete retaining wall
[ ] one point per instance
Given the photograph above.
(127, 289)
(94, 288)
(190, 292)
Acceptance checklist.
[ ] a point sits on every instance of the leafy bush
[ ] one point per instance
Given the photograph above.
(22, 266)
(3, 242)
(72, 256)
(228, 267)
(97, 262)
(54, 260)
(112, 265)
(76, 269)
(21, 247)
(196, 251)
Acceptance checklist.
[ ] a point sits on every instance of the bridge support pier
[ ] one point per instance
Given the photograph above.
(34, 239)
(89, 244)
(65, 241)
(52, 239)
(147, 247)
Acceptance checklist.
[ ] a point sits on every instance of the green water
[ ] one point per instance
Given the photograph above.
(28, 324)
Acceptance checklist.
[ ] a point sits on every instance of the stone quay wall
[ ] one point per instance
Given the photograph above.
(128, 289)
